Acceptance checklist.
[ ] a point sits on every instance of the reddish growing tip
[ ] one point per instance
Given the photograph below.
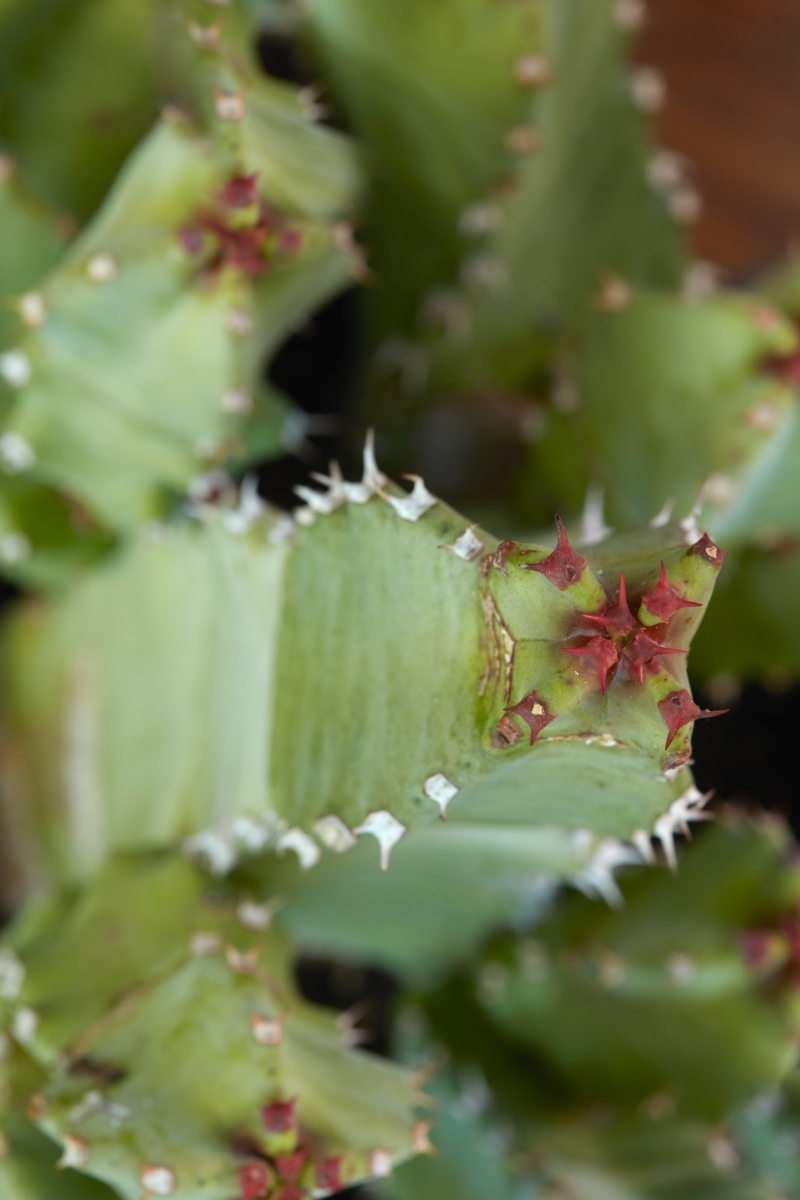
(599, 654)
(641, 650)
(564, 566)
(663, 601)
(707, 550)
(240, 192)
(255, 1180)
(534, 710)
(279, 1116)
(327, 1174)
(679, 709)
(290, 1165)
(617, 619)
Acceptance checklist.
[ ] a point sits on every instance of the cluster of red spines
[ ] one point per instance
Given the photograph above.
(279, 1176)
(624, 636)
(240, 238)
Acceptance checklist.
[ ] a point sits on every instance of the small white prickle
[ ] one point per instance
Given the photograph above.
(102, 268)
(251, 508)
(480, 219)
(15, 368)
(32, 309)
(281, 531)
(229, 107)
(306, 849)
(322, 503)
(642, 840)
(251, 833)
(267, 1031)
(597, 877)
(532, 70)
(615, 294)
(334, 834)
(12, 975)
(593, 528)
(15, 547)
(685, 204)
(439, 789)
(484, 271)
(202, 944)
(205, 37)
(242, 962)
(523, 139)
(380, 1163)
(75, 1153)
(237, 400)
(415, 504)
(466, 546)
(158, 1181)
(386, 830)
(628, 14)
(681, 968)
(304, 516)
(215, 850)
(663, 515)
(25, 1025)
(239, 322)
(254, 916)
(648, 89)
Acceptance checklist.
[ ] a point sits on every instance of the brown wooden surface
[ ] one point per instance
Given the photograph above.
(732, 69)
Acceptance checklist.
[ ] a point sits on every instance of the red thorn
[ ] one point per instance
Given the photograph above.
(327, 1174)
(618, 619)
(279, 1116)
(599, 654)
(679, 709)
(240, 192)
(641, 650)
(707, 550)
(663, 601)
(290, 1165)
(564, 566)
(534, 710)
(755, 945)
(255, 1180)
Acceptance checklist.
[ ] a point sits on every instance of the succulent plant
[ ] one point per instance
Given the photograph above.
(367, 727)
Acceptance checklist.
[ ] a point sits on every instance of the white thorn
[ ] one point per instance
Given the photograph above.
(479, 219)
(415, 504)
(251, 508)
(628, 14)
(229, 107)
(306, 849)
(386, 830)
(32, 309)
(467, 546)
(324, 502)
(681, 968)
(205, 37)
(12, 975)
(252, 833)
(593, 528)
(24, 1025)
(15, 368)
(202, 944)
(380, 1164)
(239, 322)
(334, 834)
(689, 524)
(597, 877)
(372, 478)
(75, 1153)
(254, 916)
(215, 851)
(102, 268)
(666, 171)
(304, 516)
(643, 843)
(663, 515)
(648, 89)
(158, 1181)
(267, 1031)
(685, 205)
(281, 531)
(242, 962)
(664, 830)
(532, 70)
(15, 547)
(439, 789)
(700, 281)
(236, 401)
